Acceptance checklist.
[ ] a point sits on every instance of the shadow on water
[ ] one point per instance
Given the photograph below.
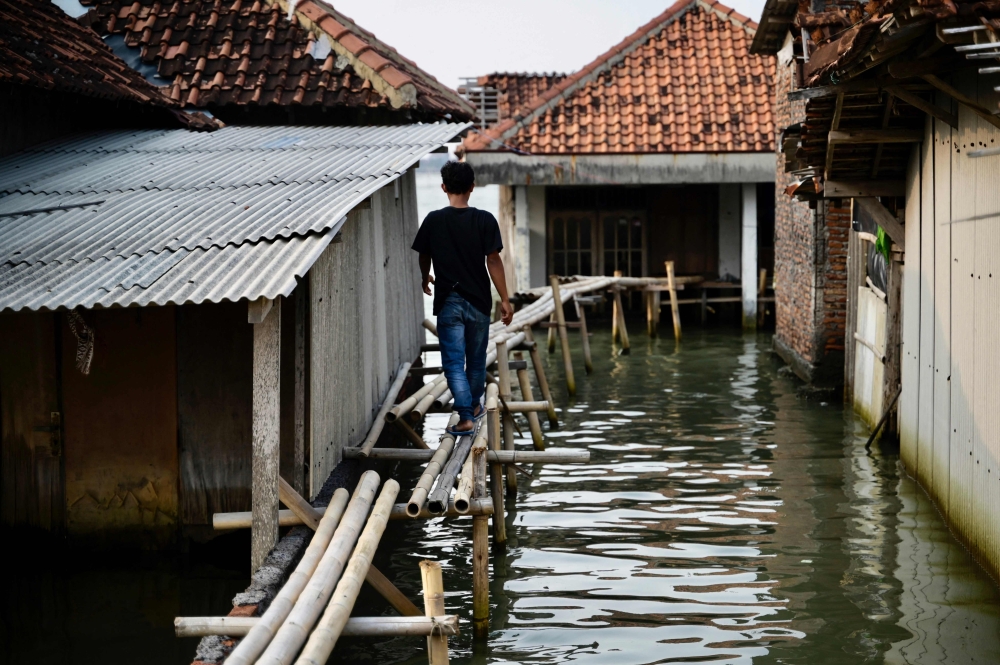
(721, 519)
(65, 606)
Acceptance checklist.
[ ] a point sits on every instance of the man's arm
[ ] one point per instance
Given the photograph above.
(494, 264)
(425, 272)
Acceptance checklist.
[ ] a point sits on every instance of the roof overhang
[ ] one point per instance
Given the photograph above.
(505, 168)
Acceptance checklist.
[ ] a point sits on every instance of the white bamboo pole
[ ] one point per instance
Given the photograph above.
(563, 337)
(427, 401)
(527, 407)
(387, 404)
(331, 625)
(300, 620)
(262, 633)
(429, 325)
(543, 382)
(480, 548)
(302, 508)
(390, 626)
(438, 459)
(507, 432)
(241, 520)
(407, 404)
(437, 500)
(496, 471)
(550, 456)
(437, 645)
(466, 486)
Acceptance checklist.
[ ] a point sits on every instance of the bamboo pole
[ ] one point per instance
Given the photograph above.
(543, 382)
(295, 628)
(496, 474)
(552, 333)
(259, 636)
(390, 592)
(615, 306)
(440, 456)
(387, 404)
(410, 434)
(427, 401)
(620, 314)
(429, 325)
(476, 507)
(581, 314)
(530, 408)
(550, 456)
(466, 489)
(241, 520)
(437, 500)
(652, 312)
(331, 625)
(674, 311)
(407, 404)
(761, 291)
(533, 424)
(443, 399)
(388, 626)
(563, 337)
(507, 431)
(480, 547)
(437, 645)
(302, 508)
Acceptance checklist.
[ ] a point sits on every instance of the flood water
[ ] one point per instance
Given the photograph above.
(721, 519)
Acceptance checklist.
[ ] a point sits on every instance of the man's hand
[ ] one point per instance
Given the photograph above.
(506, 312)
(428, 280)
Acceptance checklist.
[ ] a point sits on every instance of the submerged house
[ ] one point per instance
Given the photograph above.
(901, 128)
(660, 149)
(182, 314)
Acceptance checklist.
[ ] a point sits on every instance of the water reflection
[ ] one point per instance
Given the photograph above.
(721, 519)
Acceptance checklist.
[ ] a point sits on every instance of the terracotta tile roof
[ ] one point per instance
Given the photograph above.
(41, 46)
(518, 88)
(249, 52)
(684, 82)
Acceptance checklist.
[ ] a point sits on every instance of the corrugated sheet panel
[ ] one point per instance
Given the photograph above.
(158, 216)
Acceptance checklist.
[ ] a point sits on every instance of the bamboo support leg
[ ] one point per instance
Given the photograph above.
(614, 317)
(563, 337)
(581, 313)
(411, 434)
(626, 348)
(672, 286)
(761, 288)
(496, 472)
(503, 377)
(552, 334)
(437, 645)
(543, 382)
(647, 297)
(704, 306)
(480, 551)
(391, 593)
(533, 424)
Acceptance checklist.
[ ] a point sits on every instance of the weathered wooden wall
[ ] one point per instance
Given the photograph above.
(30, 454)
(365, 314)
(949, 420)
(120, 425)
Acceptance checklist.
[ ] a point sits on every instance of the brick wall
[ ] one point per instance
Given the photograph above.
(810, 265)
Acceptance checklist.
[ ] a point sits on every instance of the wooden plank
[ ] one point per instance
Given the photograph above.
(299, 398)
(883, 218)
(924, 105)
(838, 109)
(266, 432)
(845, 189)
(935, 65)
(854, 136)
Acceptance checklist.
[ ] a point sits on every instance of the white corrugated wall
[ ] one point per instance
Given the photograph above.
(950, 406)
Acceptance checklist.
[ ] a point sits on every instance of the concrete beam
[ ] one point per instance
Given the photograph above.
(265, 445)
(505, 168)
(748, 276)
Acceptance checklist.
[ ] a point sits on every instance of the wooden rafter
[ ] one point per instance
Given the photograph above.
(834, 125)
(885, 123)
(968, 102)
(927, 107)
(876, 136)
(883, 218)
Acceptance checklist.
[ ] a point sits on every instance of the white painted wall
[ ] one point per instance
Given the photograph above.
(536, 233)
(749, 255)
(730, 222)
(522, 240)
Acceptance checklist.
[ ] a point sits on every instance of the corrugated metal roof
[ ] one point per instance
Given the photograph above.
(158, 216)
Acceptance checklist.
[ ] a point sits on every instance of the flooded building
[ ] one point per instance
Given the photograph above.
(902, 129)
(659, 150)
(182, 314)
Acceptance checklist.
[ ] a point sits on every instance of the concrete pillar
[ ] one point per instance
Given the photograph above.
(522, 240)
(729, 230)
(265, 315)
(748, 271)
(537, 234)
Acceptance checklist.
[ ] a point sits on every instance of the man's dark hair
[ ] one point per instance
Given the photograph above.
(458, 177)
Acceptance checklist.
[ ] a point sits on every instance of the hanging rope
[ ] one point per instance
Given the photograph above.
(84, 341)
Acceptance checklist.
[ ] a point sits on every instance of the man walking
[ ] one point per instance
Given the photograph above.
(463, 244)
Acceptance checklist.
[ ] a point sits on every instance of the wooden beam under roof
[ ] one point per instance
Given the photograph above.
(834, 125)
(876, 136)
(883, 218)
(924, 105)
(970, 103)
(847, 189)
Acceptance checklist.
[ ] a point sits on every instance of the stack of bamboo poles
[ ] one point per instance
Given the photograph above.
(312, 610)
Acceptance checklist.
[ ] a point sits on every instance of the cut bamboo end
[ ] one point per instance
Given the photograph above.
(428, 400)
(410, 402)
(431, 472)
(466, 485)
(492, 396)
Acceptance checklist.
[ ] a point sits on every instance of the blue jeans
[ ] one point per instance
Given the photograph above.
(463, 332)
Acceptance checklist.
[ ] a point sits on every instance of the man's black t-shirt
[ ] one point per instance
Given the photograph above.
(458, 240)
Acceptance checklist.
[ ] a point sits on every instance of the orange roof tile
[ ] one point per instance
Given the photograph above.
(518, 88)
(684, 82)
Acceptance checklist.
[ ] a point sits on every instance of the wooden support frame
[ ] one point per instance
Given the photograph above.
(563, 336)
(674, 311)
(524, 382)
(480, 550)
(966, 101)
(652, 312)
(507, 431)
(581, 313)
(265, 315)
(496, 470)
(410, 434)
(883, 218)
(927, 107)
(543, 382)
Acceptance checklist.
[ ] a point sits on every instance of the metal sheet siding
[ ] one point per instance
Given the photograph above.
(939, 137)
(925, 409)
(248, 207)
(910, 334)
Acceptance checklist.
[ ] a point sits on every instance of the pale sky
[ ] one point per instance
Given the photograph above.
(452, 39)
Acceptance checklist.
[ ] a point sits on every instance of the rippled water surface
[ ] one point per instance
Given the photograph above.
(721, 519)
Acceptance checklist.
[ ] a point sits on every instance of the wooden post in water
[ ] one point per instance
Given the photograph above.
(652, 313)
(411, 434)
(615, 306)
(437, 645)
(552, 333)
(496, 472)
(761, 288)
(674, 311)
(265, 315)
(525, 383)
(543, 382)
(503, 378)
(581, 313)
(563, 337)
(480, 551)
(620, 316)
